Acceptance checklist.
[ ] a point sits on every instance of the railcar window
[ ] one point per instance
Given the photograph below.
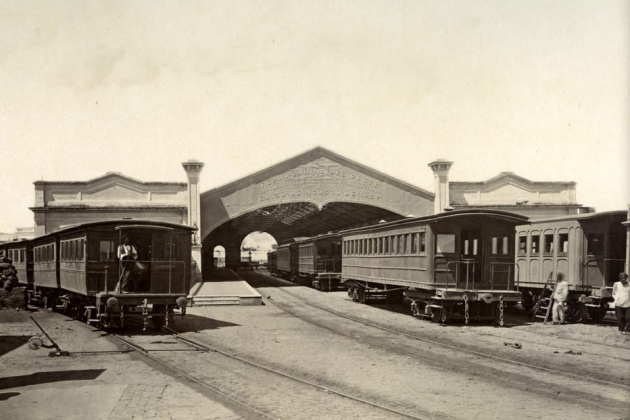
(506, 246)
(549, 243)
(595, 244)
(22, 255)
(106, 250)
(392, 244)
(445, 243)
(563, 245)
(522, 245)
(535, 239)
(423, 242)
(414, 243)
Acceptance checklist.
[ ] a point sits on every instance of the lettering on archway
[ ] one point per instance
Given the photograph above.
(320, 181)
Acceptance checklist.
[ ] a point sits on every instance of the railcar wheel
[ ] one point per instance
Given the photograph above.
(436, 314)
(575, 312)
(157, 316)
(528, 301)
(362, 295)
(596, 314)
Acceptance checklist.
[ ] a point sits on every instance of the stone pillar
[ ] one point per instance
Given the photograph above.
(193, 169)
(233, 255)
(440, 170)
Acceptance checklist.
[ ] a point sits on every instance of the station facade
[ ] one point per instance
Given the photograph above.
(313, 193)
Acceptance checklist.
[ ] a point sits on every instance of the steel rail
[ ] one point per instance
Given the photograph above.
(180, 372)
(499, 377)
(209, 348)
(458, 348)
(285, 375)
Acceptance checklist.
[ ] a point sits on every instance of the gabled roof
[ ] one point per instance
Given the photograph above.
(309, 156)
(512, 176)
(107, 175)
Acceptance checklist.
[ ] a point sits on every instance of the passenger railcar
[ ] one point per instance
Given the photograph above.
(272, 262)
(287, 261)
(588, 248)
(457, 264)
(46, 287)
(319, 261)
(20, 253)
(78, 269)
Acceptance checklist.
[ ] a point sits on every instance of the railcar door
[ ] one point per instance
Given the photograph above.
(472, 258)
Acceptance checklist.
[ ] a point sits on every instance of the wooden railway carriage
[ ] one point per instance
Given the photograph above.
(319, 261)
(20, 253)
(89, 272)
(287, 261)
(272, 262)
(45, 251)
(458, 264)
(588, 248)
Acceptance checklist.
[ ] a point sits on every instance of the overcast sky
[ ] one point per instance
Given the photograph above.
(539, 88)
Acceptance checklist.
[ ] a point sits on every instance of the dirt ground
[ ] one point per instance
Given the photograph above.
(374, 352)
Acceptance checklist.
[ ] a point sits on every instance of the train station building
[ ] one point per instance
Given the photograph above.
(313, 193)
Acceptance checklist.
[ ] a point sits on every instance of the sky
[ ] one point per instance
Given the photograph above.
(539, 88)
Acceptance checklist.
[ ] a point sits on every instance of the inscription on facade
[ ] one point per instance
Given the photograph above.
(320, 180)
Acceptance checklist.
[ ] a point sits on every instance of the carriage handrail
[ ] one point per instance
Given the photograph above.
(327, 264)
(173, 268)
(586, 264)
(509, 264)
(458, 262)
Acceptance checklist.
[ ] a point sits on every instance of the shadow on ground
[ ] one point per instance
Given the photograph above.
(8, 343)
(49, 377)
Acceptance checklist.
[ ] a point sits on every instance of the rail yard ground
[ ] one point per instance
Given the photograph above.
(305, 354)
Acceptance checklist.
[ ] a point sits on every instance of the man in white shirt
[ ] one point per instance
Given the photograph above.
(126, 254)
(621, 294)
(560, 296)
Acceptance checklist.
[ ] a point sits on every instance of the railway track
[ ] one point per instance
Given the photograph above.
(446, 345)
(578, 388)
(183, 370)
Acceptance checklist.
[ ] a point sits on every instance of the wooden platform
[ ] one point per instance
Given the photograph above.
(235, 292)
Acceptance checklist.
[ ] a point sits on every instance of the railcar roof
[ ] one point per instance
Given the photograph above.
(117, 222)
(16, 242)
(583, 216)
(517, 218)
(317, 238)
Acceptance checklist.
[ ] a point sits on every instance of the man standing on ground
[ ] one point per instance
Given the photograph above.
(560, 295)
(621, 294)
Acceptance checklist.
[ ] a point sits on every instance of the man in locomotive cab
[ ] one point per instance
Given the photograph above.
(127, 254)
(560, 296)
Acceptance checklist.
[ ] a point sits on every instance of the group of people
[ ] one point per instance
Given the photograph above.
(620, 294)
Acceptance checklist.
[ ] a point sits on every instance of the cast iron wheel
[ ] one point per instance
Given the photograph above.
(596, 314)
(436, 314)
(362, 295)
(574, 312)
(528, 301)
(158, 316)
